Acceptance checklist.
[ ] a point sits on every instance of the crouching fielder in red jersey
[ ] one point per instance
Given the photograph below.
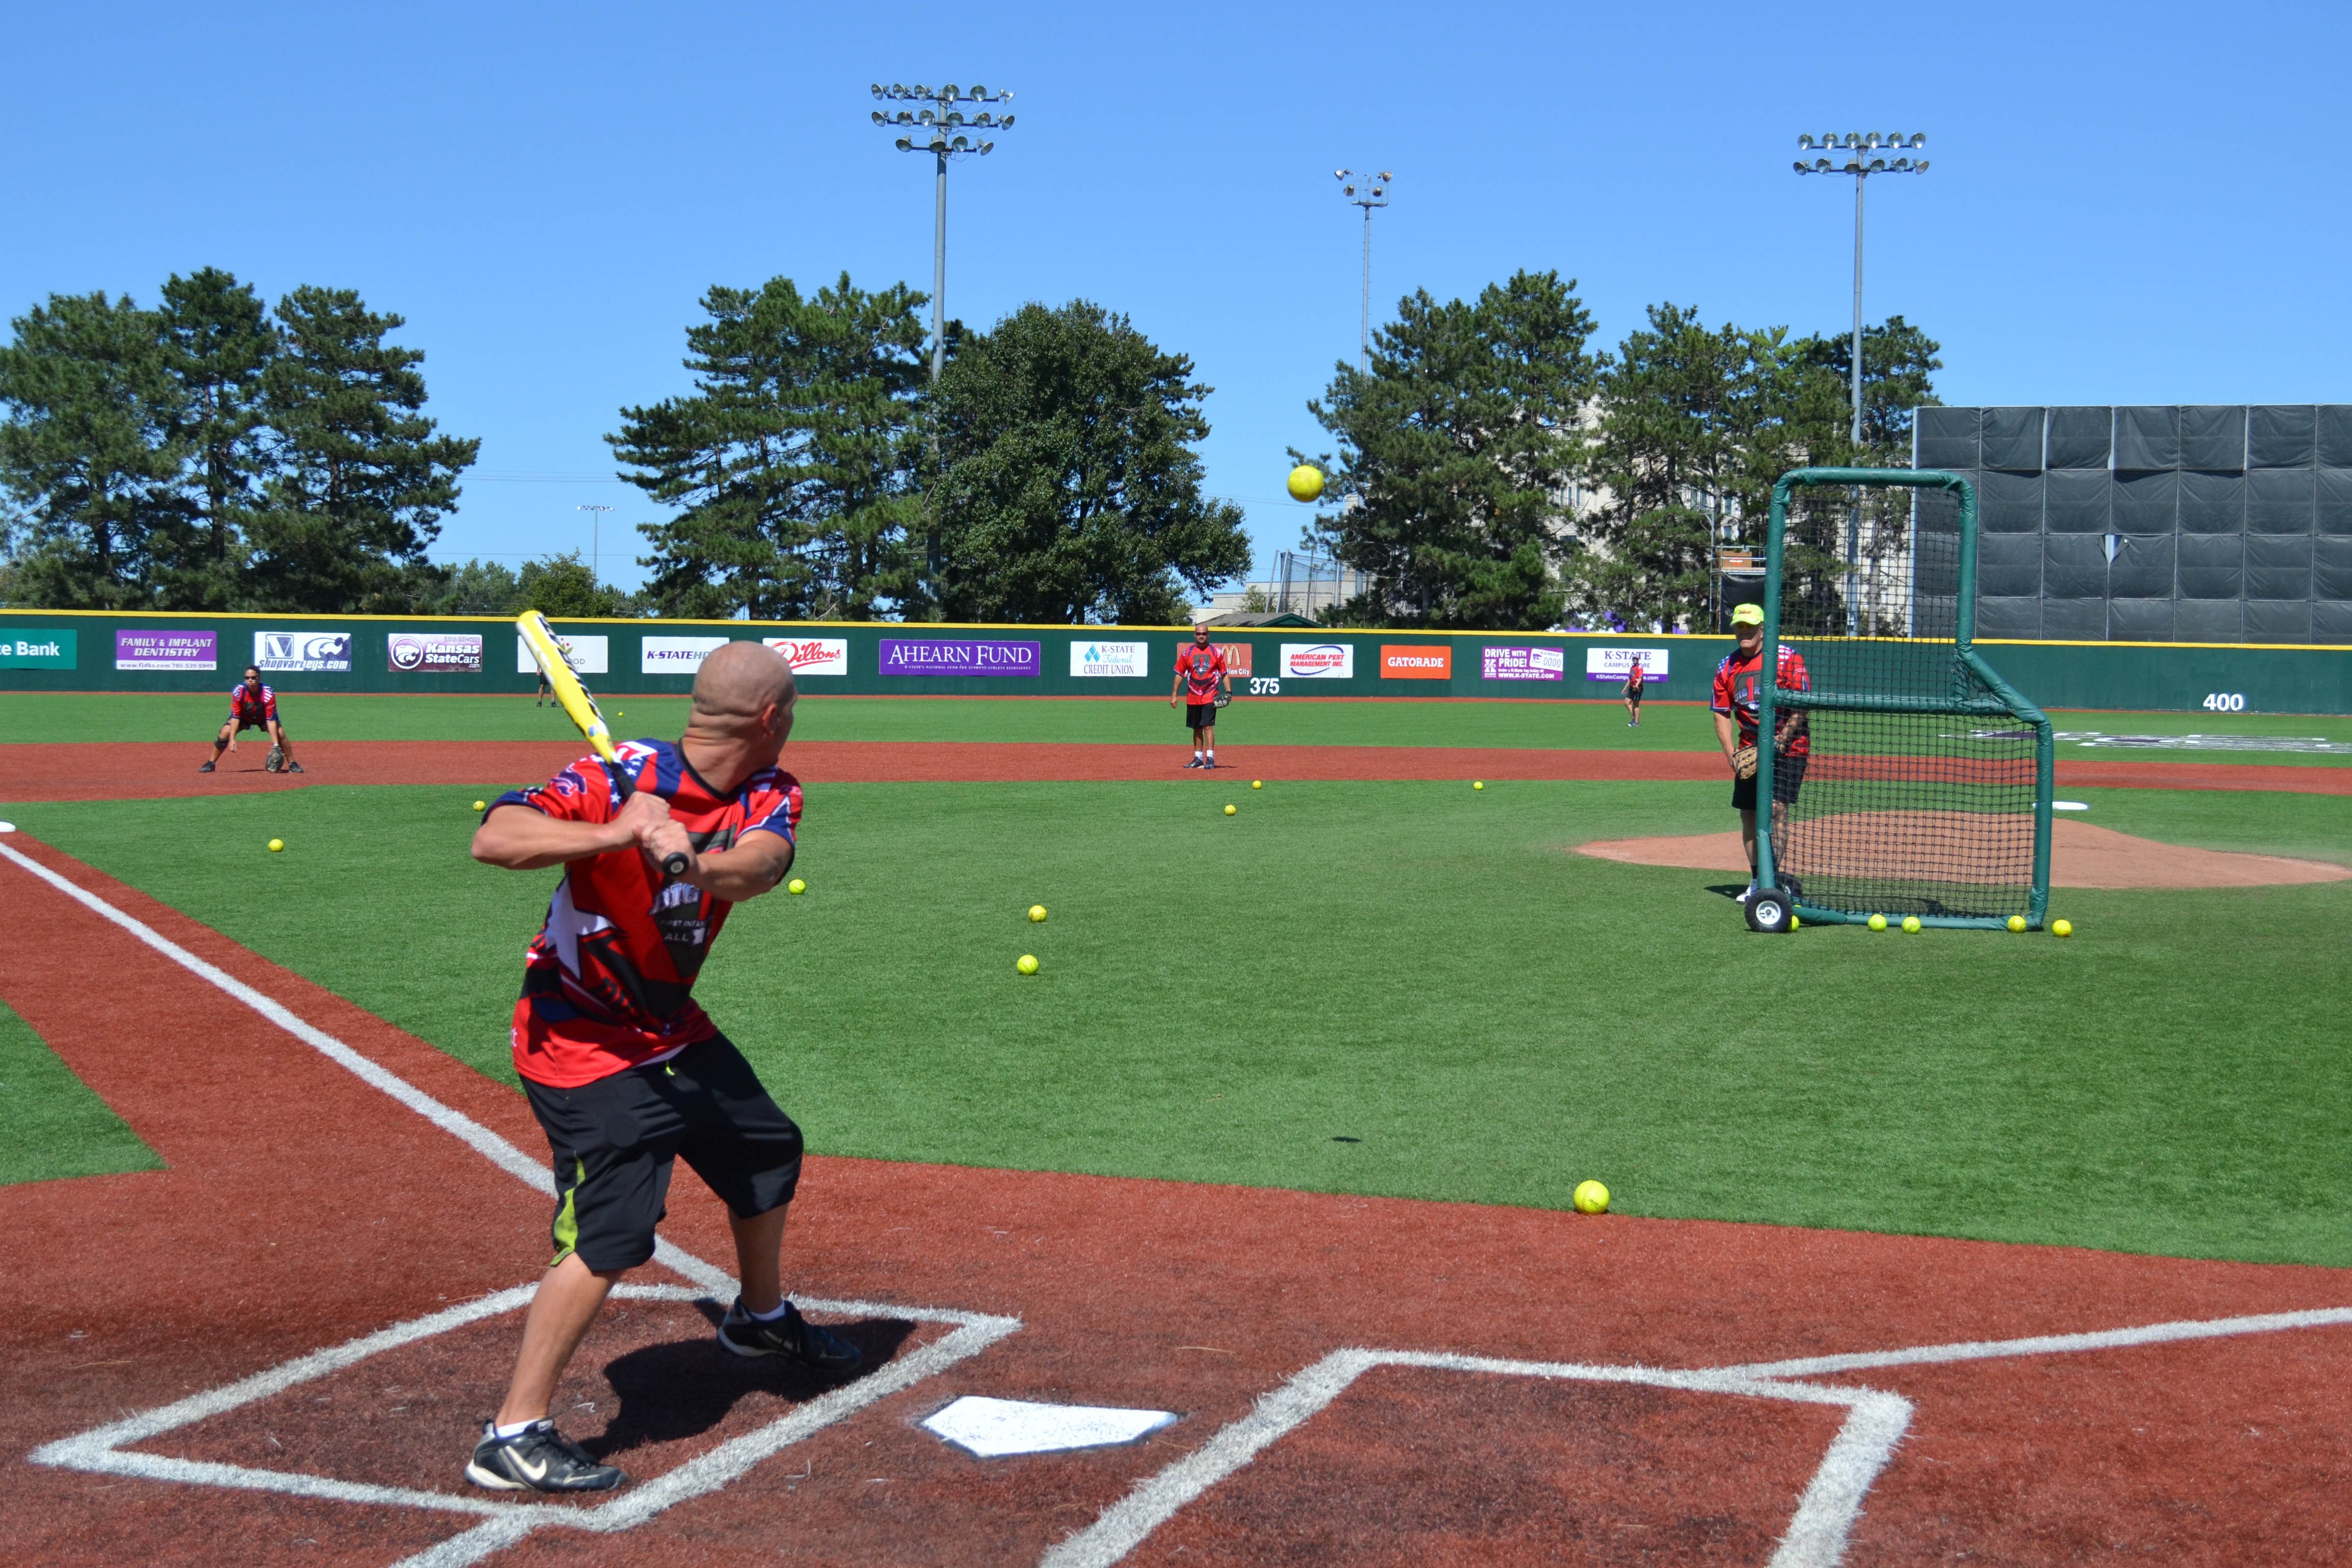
(624, 1072)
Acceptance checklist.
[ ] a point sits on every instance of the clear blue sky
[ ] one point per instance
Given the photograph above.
(2129, 204)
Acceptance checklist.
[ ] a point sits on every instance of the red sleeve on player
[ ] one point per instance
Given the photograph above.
(268, 703)
(772, 804)
(1722, 703)
(581, 793)
(1792, 671)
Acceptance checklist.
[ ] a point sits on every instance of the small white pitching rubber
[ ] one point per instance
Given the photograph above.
(7, 828)
(999, 1428)
(2069, 805)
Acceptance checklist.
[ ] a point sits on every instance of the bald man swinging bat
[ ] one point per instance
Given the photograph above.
(624, 1072)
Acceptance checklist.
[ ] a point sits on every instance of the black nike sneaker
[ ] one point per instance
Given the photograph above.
(790, 1336)
(539, 1458)
(204, 767)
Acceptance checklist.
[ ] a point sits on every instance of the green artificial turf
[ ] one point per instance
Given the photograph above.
(1265, 721)
(1423, 968)
(51, 1125)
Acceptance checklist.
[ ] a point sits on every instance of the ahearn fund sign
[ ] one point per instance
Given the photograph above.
(939, 656)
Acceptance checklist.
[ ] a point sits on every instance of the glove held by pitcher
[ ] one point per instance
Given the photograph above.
(1743, 761)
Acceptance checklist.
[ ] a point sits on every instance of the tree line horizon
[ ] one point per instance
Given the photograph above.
(1491, 469)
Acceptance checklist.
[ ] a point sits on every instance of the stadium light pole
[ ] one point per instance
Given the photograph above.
(595, 542)
(1860, 153)
(939, 129)
(1366, 190)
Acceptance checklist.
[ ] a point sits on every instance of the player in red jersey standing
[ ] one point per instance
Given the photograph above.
(624, 1070)
(1634, 677)
(1735, 720)
(1201, 680)
(253, 706)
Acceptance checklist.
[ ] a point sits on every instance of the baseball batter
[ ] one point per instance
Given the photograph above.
(624, 1070)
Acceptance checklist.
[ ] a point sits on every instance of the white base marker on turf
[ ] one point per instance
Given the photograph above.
(1000, 1428)
(2069, 805)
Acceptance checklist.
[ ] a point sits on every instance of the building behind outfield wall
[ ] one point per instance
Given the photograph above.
(2208, 523)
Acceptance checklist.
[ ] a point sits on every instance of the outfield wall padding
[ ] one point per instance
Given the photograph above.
(72, 650)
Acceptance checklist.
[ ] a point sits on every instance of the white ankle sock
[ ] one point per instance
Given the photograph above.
(515, 1428)
(781, 1308)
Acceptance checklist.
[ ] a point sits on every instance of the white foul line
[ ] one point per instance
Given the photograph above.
(99, 1448)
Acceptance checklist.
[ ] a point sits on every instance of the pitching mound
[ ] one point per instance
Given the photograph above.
(2080, 855)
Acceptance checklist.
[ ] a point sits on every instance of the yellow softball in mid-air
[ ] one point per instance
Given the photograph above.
(1305, 482)
(1592, 1197)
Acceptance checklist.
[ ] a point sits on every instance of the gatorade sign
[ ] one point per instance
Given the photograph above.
(1412, 661)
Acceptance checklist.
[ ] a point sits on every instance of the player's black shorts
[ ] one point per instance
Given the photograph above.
(613, 1141)
(1787, 775)
(1200, 715)
(1633, 695)
(242, 724)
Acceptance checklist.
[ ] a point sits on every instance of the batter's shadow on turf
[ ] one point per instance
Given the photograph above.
(683, 1388)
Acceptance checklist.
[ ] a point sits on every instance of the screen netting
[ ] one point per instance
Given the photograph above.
(1916, 787)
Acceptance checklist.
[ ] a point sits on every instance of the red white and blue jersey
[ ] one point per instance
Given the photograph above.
(1735, 692)
(1202, 669)
(245, 708)
(607, 982)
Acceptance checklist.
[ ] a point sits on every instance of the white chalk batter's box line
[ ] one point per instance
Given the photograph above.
(1816, 1537)
(104, 1449)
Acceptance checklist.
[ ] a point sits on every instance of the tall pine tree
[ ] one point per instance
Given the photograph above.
(794, 461)
(359, 479)
(217, 340)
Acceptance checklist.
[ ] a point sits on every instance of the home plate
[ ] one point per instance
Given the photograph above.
(997, 1429)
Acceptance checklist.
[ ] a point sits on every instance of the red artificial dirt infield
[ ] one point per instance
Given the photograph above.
(2080, 855)
(149, 770)
(301, 1207)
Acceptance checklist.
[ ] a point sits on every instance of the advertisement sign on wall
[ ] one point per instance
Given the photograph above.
(1522, 663)
(327, 652)
(25, 647)
(812, 655)
(675, 656)
(1117, 659)
(1318, 662)
(1614, 664)
(1414, 661)
(432, 653)
(929, 655)
(136, 647)
(1237, 658)
(585, 655)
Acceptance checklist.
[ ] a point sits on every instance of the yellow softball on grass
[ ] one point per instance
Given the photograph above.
(1911, 925)
(1794, 923)
(1036, 911)
(1232, 809)
(2062, 927)
(1027, 965)
(276, 845)
(481, 806)
(797, 886)
(1257, 784)
(2017, 923)
(1878, 922)
(1592, 1197)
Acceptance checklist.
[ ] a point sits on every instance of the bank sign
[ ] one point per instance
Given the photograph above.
(1128, 660)
(24, 648)
(938, 656)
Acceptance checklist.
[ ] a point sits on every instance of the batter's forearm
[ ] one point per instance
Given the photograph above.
(521, 839)
(745, 871)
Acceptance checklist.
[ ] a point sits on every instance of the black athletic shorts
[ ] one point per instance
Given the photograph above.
(614, 1140)
(1200, 715)
(1787, 775)
(1633, 695)
(260, 724)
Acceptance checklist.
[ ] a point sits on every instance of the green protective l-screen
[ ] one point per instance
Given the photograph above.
(1911, 779)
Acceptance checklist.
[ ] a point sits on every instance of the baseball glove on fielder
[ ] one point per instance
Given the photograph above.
(1743, 761)
(276, 759)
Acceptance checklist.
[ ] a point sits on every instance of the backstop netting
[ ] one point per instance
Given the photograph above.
(1908, 778)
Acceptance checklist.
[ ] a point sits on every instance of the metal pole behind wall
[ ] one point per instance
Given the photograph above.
(1854, 518)
(940, 271)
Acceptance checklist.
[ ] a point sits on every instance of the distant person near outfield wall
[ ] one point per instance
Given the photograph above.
(1203, 685)
(1634, 677)
(1736, 722)
(253, 706)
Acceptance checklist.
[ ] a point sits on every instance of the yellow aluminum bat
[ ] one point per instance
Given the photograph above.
(540, 638)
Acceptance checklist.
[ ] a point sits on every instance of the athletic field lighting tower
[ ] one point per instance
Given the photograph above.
(595, 541)
(1860, 153)
(1366, 190)
(941, 130)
